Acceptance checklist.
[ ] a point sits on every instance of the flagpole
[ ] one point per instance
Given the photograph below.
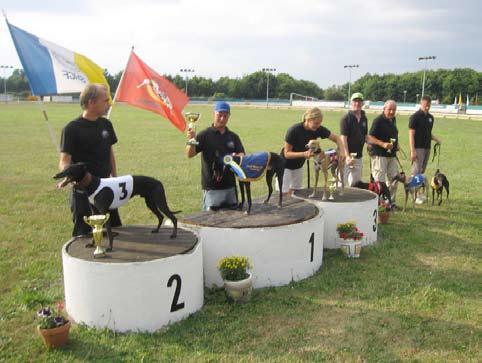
(119, 85)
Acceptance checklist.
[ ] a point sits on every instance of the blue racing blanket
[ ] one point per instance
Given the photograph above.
(251, 167)
(416, 182)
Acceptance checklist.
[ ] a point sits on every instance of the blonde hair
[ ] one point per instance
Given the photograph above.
(90, 93)
(313, 113)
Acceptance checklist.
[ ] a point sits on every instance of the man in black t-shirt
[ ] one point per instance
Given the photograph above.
(219, 190)
(89, 139)
(420, 136)
(295, 151)
(353, 132)
(383, 137)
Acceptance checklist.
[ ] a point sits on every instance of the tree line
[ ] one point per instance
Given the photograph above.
(443, 85)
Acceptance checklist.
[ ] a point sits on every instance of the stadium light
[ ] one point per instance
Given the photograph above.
(430, 57)
(404, 96)
(267, 71)
(187, 71)
(350, 66)
(4, 67)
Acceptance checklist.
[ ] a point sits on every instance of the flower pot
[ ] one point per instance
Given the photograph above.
(383, 217)
(239, 291)
(351, 248)
(55, 337)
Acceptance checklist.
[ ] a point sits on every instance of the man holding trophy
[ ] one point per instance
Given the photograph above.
(219, 191)
(383, 137)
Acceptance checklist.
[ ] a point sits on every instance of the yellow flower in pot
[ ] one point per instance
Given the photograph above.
(237, 279)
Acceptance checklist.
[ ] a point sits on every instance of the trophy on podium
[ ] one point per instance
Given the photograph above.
(97, 222)
(192, 118)
(392, 141)
(332, 188)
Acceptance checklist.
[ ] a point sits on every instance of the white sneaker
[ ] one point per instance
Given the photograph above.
(419, 200)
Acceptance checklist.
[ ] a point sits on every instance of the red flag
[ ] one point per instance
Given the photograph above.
(144, 88)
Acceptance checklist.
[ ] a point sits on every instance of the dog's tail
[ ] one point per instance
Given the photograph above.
(176, 212)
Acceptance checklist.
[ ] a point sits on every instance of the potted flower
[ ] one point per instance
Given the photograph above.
(237, 280)
(349, 238)
(383, 212)
(53, 326)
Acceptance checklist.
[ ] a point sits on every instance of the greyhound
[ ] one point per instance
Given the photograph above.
(438, 183)
(250, 168)
(412, 185)
(110, 193)
(325, 161)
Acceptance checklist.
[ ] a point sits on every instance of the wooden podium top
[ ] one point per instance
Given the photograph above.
(350, 195)
(262, 215)
(136, 244)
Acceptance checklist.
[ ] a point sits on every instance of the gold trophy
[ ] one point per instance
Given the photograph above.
(97, 222)
(392, 141)
(192, 118)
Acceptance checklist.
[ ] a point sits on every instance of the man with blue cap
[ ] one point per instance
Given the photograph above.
(219, 189)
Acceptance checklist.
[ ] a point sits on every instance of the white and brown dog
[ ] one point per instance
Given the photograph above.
(324, 161)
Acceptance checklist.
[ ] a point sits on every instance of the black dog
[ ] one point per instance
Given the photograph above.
(379, 188)
(110, 193)
(275, 165)
(438, 183)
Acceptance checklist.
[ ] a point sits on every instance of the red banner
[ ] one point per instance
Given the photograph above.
(144, 88)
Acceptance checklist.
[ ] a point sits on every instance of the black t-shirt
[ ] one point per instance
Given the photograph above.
(297, 136)
(355, 132)
(213, 145)
(422, 124)
(384, 130)
(90, 142)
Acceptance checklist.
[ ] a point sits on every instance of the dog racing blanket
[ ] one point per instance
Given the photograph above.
(416, 182)
(251, 167)
(121, 186)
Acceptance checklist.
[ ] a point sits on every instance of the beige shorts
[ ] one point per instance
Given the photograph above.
(384, 169)
(292, 179)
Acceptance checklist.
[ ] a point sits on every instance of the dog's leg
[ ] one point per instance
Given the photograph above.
(315, 185)
(152, 205)
(447, 190)
(325, 187)
(406, 200)
(242, 186)
(269, 183)
(248, 192)
(108, 226)
(159, 197)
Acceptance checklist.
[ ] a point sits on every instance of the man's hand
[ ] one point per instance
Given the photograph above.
(413, 155)
(388, 145)
(191, 134)
(308, 154)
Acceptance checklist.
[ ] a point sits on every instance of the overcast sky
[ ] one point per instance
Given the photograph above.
(308, 39)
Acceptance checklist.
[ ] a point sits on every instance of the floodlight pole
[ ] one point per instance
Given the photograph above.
(430, 57)
(5, 67)
(404, 96)
(267, 71)
(187, 71)
(350, 66)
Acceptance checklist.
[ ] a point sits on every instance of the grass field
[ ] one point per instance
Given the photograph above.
(415, 295)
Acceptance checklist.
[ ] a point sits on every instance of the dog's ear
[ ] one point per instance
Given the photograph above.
(60, 175)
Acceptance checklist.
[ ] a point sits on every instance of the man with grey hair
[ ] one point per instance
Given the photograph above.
(383, 137)
(89, 139)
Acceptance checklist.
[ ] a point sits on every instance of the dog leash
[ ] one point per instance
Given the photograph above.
(436, 152)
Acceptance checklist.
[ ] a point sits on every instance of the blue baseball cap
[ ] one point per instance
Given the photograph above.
(222, 106)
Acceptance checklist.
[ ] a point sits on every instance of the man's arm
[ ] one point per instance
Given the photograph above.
(113, 164)
(411, 140)
(337, 140)
(65, 160)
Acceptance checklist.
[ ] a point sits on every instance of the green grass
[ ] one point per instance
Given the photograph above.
(413, 296)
